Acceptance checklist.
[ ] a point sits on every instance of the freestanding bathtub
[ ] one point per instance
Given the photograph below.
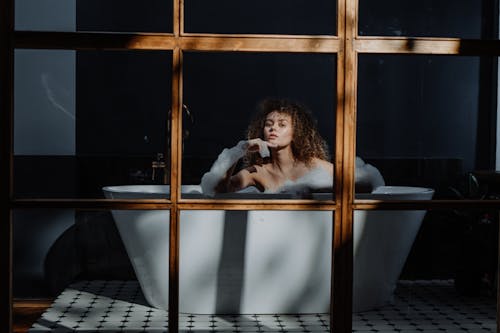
(265, 261)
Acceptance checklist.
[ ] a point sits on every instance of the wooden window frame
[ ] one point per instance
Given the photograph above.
(347, 45)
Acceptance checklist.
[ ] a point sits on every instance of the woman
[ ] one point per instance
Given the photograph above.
(284, 152)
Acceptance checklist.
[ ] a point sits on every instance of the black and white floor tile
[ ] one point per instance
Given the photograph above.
(430, 307)
(119, 306)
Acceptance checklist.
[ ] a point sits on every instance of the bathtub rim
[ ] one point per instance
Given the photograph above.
(194, 191)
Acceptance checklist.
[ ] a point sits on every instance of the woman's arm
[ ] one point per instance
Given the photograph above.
(220, 179)
(242, 179)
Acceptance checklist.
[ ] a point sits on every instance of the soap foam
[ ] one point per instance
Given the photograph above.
(316, 179)
(368, 174)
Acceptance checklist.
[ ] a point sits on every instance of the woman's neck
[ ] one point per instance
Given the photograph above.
(283, 159)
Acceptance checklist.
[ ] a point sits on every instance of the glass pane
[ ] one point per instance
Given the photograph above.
(293, 17)
(94, 15)
(446, 18)
(427, 272)
(35, 233)
(255, 270)
(427, 121)
(223, 92)
(88, 119)
(90, 263)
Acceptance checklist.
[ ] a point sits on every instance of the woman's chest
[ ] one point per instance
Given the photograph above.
(271, 180)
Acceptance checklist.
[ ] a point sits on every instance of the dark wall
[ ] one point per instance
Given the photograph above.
(428, 106)
(124, 15)
(122, 102)
(425, 18)
(293, 17)
(419, 107)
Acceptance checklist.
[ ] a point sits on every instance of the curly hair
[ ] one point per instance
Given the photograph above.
(306, 144)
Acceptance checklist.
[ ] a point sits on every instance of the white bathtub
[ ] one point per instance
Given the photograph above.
(265, 261)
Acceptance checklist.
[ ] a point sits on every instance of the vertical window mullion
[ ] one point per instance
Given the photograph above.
(175, 170)
(341, 312)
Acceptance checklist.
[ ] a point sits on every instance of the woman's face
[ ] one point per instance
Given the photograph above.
(278, 129)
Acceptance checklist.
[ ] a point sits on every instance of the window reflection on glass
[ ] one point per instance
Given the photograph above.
(445, 18)
(425, 121)
(223, 92)
(88, 119)
(91, 15)
(434, 270)
(294, 17)
(36, 236)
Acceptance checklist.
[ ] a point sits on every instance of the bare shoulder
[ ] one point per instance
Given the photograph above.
(328, 166)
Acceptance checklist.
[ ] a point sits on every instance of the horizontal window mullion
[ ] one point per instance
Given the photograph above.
(92, 204)
(256, 205)
(424, 204)
(152, 204)
(256, 43)
(207, 42)
(421, 45)
(93, 41)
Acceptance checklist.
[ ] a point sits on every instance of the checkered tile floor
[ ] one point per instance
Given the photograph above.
(118, 306)
(430, 307)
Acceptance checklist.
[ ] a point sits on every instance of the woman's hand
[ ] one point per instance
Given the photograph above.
(261, 146)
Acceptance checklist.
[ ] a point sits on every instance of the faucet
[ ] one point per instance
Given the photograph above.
(159, 169)
(159, 165)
